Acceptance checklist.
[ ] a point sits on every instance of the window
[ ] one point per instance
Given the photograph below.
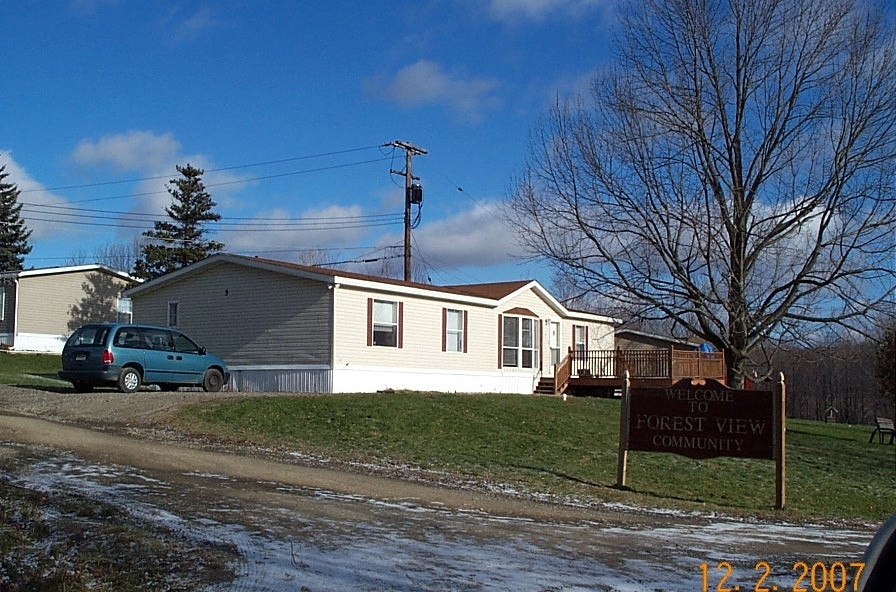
(125, 310)
(511, 341)
(130, 338)
(89, 335)
(384, 323)
(580, 338)
(158, 339)
(185, 345)
(172, 313)
(454, 330)
(519, 348)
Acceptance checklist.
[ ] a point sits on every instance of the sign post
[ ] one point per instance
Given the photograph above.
(622, 457)
(780, 442)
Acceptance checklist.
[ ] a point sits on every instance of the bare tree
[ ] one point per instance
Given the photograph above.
(732, 171)
(117, 255)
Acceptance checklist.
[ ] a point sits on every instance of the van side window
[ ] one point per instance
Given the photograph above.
(184, 345)
(128, 337)
(158, 339)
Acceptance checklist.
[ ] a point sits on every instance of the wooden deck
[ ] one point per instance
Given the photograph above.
(605, 369)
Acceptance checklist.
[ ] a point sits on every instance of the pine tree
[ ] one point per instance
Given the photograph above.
(13, 233)
(179, 243)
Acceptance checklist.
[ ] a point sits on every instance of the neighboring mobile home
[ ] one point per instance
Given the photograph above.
(40, 308)
(288, 327)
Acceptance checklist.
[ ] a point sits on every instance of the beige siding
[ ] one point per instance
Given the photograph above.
(57, 304)
(422, 333)
(247, 316)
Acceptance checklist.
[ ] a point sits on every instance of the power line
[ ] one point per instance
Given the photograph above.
(334, 224)
(216, 170)
(92, 214)
(223, 183)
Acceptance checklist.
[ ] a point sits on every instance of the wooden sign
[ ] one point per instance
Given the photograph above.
(702, 418)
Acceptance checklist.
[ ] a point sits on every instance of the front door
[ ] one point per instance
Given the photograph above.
(554, 344)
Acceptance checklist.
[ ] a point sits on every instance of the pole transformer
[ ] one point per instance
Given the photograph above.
(413, 193)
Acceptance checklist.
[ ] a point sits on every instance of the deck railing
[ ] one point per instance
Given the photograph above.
(640, 363)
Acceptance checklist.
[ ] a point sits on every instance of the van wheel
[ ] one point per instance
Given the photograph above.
(128, 380)
(213, 381)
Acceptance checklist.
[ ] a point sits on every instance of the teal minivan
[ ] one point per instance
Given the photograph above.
(128, 356)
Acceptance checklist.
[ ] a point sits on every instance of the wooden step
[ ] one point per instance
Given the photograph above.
(545, 387)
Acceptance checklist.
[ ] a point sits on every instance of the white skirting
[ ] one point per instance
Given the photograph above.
(35, 342)
(365, 379)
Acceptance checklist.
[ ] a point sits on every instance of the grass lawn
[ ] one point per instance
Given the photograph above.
(545, 445)
(30, 369)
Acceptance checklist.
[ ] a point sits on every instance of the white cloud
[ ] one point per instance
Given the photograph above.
(141, 151)
(426, 83)
(475, 237)
(37, 203)
(515, 10)
(154, 157)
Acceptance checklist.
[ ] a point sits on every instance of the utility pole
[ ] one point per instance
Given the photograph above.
(412, 194)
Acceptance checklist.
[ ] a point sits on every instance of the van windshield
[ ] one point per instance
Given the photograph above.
(89, 335)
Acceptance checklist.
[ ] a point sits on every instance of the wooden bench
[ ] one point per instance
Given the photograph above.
(884, 427)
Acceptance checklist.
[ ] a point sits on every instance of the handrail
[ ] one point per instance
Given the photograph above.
(643, 363)
(562, 372)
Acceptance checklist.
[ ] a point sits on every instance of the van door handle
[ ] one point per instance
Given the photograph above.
(170, 357)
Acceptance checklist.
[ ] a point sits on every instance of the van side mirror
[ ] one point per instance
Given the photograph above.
(202, 351)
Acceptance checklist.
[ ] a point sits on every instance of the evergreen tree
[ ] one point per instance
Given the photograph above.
(13, 233)
(179, 243)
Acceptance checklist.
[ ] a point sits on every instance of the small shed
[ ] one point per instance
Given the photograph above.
(831, 415)
(627, 339)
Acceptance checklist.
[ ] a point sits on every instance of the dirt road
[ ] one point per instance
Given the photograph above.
(297, 525)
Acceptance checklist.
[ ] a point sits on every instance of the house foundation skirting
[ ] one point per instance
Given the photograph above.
(365, 379)
(34, 342)
(281, 379)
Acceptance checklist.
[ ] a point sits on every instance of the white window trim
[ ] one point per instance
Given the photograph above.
(394, 325)
(458, 344)
(519, 348)
(583, 329)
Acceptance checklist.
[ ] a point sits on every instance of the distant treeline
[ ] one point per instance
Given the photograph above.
(843, 377)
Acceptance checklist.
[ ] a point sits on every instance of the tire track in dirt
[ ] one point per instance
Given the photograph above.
(178, 459)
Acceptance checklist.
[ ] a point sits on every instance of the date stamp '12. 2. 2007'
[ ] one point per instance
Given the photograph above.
(817, 576)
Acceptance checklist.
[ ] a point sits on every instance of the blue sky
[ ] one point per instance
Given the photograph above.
(100, 99)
